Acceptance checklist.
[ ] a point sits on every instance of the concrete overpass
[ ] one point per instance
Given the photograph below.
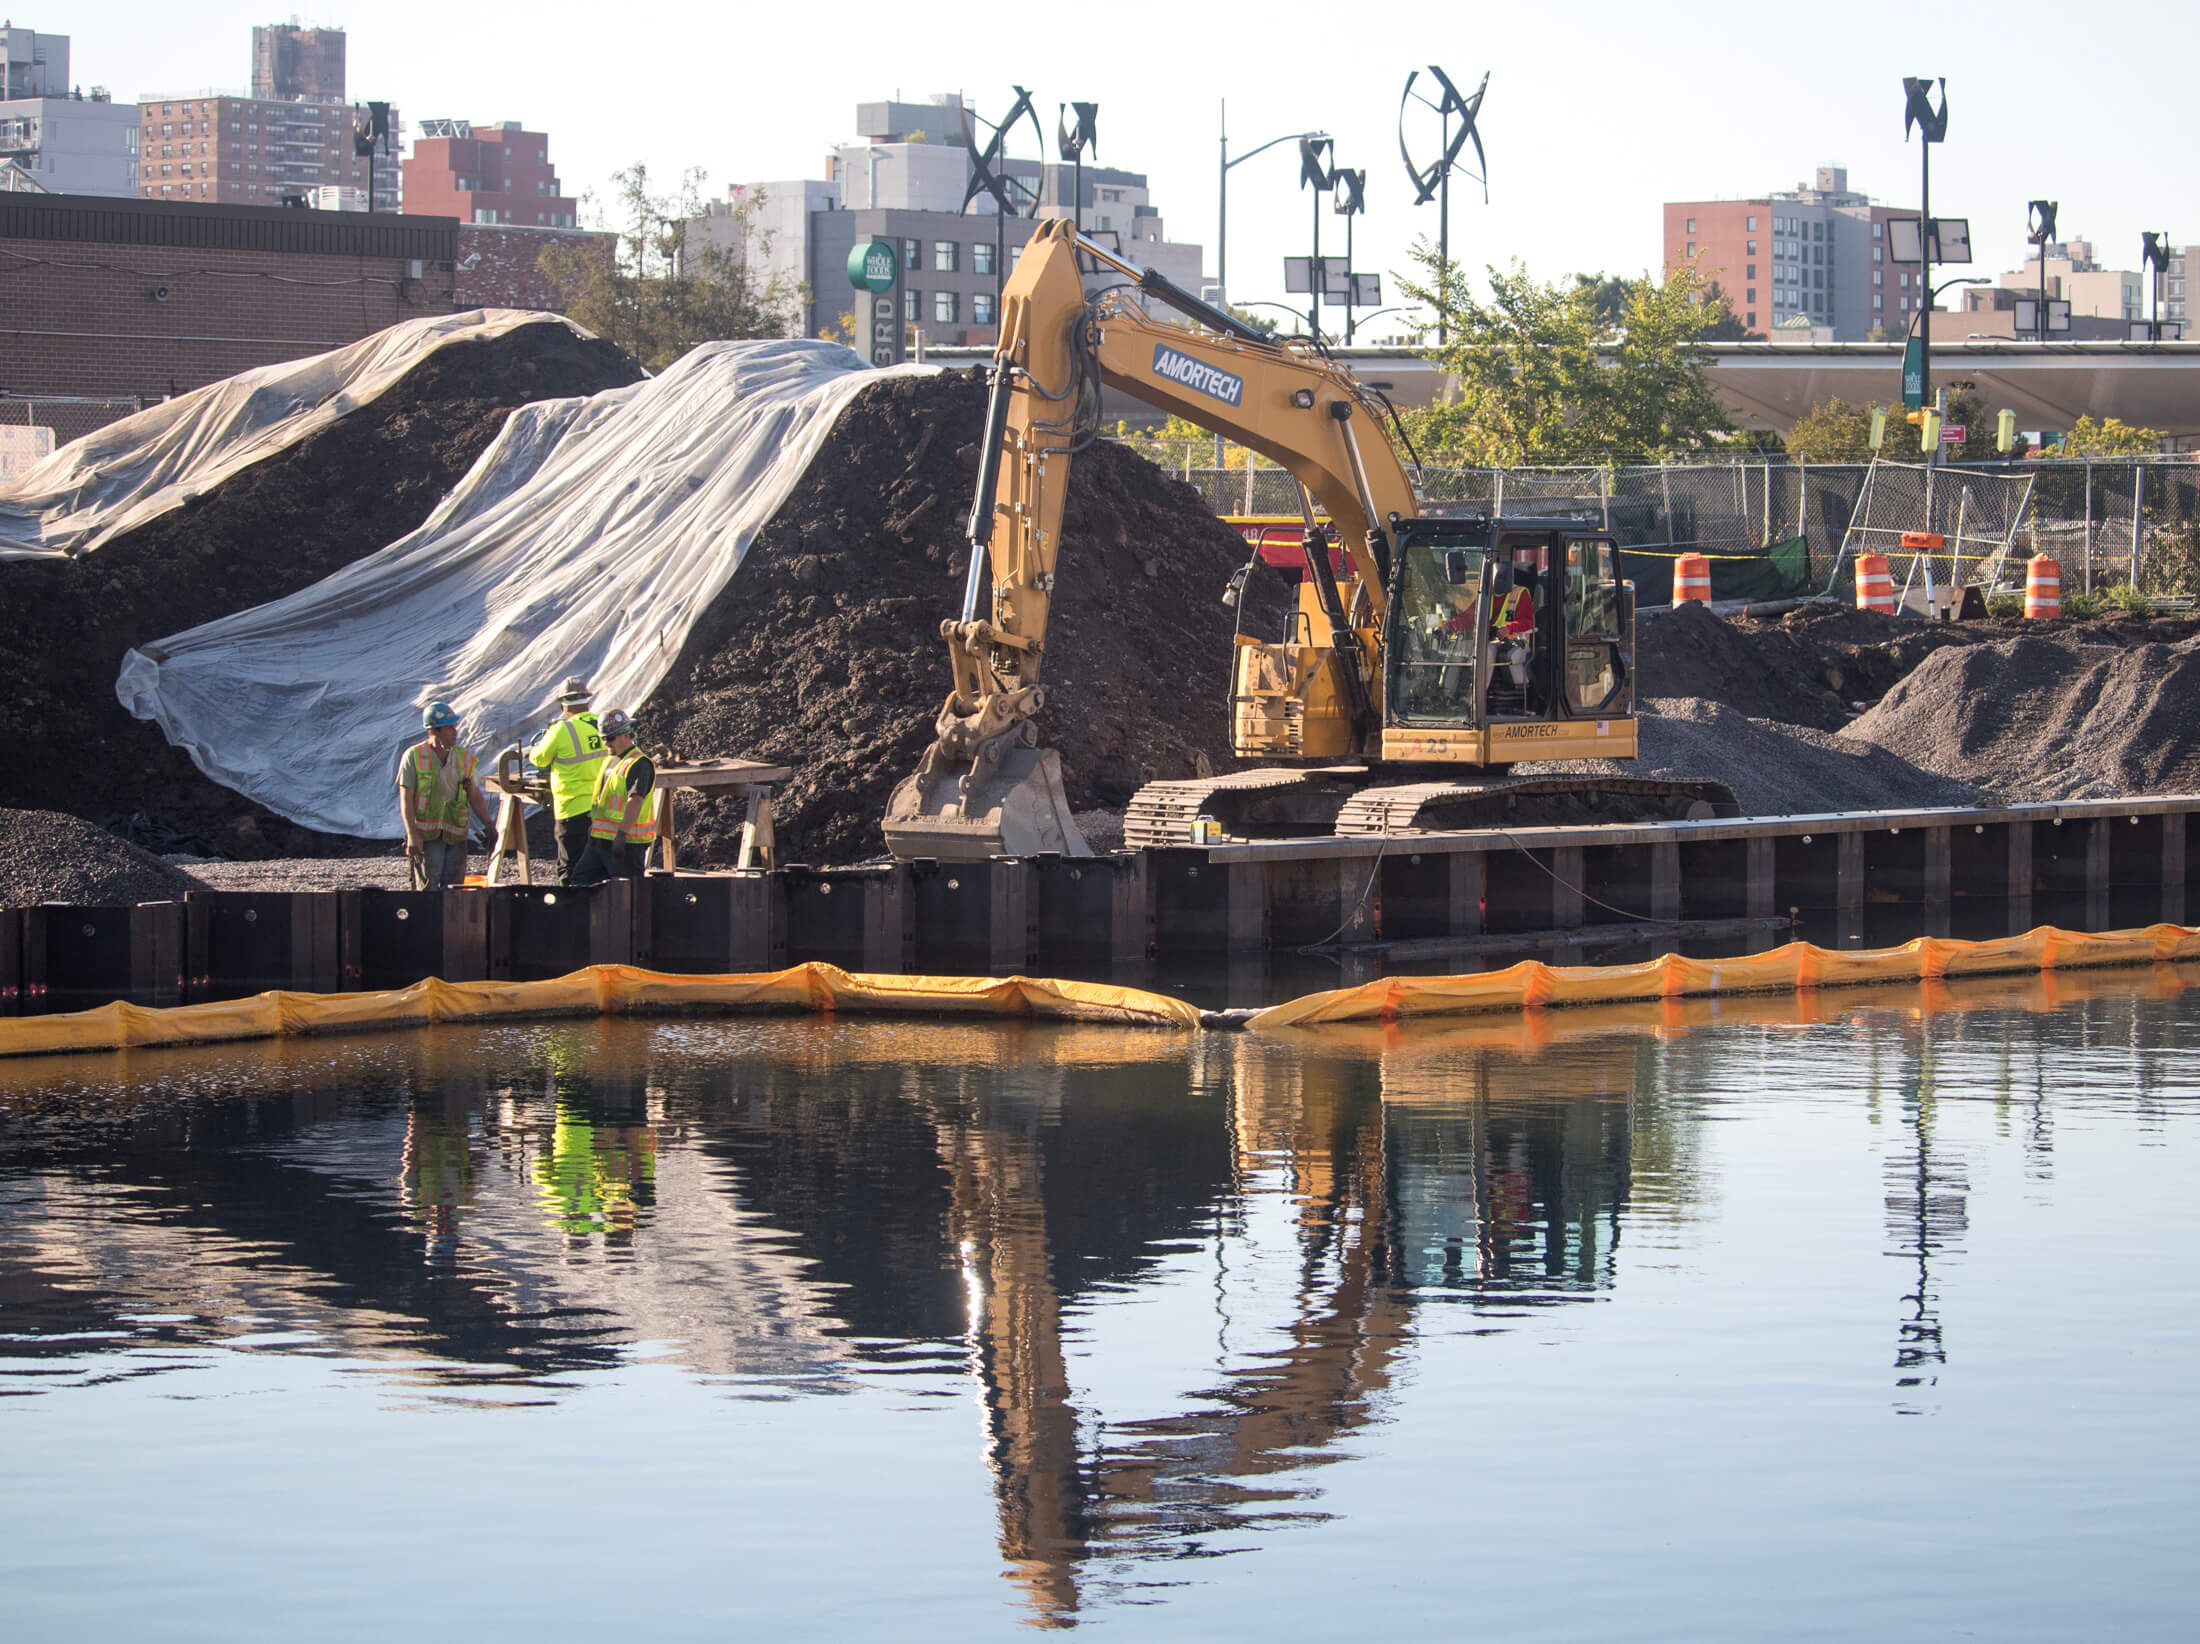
(1769, 385)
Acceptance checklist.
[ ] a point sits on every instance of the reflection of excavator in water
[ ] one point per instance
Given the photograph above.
(1463, 1169)
(1411, 676)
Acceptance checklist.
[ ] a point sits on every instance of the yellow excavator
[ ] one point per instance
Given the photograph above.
(1419, 662)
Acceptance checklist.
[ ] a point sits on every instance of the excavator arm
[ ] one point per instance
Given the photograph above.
(985, 787)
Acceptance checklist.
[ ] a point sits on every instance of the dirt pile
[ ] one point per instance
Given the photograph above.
(268, 531)
(48, 857)
(1774, 769)
(824, 651)
(2061, 715)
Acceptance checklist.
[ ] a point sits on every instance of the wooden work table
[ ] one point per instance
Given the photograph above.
(519, 785)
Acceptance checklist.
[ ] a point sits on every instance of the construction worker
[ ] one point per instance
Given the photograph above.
(571, 750)
(623, 813)
(436, 783)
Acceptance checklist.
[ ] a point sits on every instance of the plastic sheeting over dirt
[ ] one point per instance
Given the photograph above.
(132, 471)
(587, 539)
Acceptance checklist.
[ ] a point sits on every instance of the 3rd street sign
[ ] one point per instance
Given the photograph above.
(873, 266)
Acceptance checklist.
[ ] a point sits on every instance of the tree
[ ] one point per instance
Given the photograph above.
(1557, 374)
(680, 276)
(1836, 431)
(1265, 324)
(2113, 438)
(1884, 332)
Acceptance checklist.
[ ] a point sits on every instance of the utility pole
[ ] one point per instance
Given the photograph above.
(2042, 231)
(1314, 173)
(1222, 200)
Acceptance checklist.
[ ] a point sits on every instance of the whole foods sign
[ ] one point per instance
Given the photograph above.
(873, 269)
(873, 266)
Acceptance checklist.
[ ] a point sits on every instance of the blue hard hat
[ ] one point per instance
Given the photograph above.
(438, 715)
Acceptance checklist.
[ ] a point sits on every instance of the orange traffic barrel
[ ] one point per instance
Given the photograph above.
(1874, 587)
(2042, 587)
(1691, 579)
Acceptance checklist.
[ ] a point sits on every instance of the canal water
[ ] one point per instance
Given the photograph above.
(1868, 1316)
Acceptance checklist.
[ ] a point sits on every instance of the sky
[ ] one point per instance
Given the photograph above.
(1597, 112)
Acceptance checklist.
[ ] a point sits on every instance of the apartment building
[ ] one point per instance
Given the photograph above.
(294, 133)
(903, 181)
(59, 139)
(498, 173)
(1814, 257)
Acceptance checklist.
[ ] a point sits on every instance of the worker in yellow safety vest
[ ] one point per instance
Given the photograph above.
(623, 814)
(571, 750)
(436, 783)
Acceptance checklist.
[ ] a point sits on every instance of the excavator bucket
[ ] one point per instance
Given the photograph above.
(1019, 808)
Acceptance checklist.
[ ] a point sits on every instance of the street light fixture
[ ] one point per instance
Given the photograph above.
(1222, 201)
(1932, 127)
(1919, 324)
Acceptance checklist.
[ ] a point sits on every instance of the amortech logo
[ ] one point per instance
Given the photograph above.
(1197, 375)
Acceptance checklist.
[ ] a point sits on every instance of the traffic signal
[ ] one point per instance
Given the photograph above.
(2005, 432)
(1879, 426)
(1928, 429)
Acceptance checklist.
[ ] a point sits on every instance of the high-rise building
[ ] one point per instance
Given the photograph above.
(293, 64)
(57, 139)
(497, 173)
(294, 134)
(1814, 258)
(903, 181)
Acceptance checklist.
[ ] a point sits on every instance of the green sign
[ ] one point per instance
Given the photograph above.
(1913, 374)
(872, 266)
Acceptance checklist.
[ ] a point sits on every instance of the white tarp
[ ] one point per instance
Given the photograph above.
(118, 477)
(588, 538)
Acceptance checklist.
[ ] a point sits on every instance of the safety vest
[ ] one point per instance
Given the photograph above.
(432, 814)
(607, 815)
(1514, 614)
(573, 752)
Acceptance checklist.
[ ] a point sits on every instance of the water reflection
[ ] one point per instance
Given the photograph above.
(801, 1208)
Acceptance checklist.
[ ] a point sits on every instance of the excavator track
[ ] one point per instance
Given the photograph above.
(1276, 802)
(1528, 802)
(1282, 803)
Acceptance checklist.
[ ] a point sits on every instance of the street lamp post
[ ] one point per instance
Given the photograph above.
(1921, 325)
(1222, 201)
(1932, 127)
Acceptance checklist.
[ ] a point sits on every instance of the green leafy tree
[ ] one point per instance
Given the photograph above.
(1836, 431)
(1555, 373)
(2112, 438)
(671, 284)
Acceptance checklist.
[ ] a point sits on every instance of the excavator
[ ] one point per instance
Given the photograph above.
(1423, 656)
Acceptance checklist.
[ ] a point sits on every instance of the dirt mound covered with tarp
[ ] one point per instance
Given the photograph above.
(2062, 715)
(339, 494)
(824, 652)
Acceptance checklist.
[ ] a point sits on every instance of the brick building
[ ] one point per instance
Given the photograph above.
(485, 174)
(292, 135)
(501, 267)
(1816, 254)
(149, 297)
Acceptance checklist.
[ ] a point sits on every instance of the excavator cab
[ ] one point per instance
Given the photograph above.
(1509, 639)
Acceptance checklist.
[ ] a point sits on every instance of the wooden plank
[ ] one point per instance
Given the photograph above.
(1247, 919)
(1567, 871)
(1762, 891)
(156, 954)
(756, 936)
(1665, 880)
(466, 935)
(2173, 869)
(1469, 870)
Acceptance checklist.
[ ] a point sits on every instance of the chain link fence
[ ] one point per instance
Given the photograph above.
(2127, 521)
(70, 416)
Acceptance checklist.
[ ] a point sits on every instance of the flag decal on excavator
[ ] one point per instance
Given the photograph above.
(1197, 375)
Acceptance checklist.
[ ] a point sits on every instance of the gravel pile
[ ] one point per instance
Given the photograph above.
(318, 873)
(48, 857)
(1774, 769)
(2067, 715)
